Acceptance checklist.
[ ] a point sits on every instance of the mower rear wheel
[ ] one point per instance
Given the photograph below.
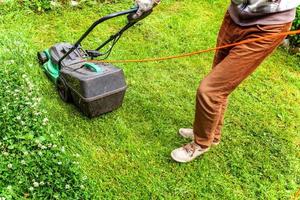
(42, 56)
(63, 90)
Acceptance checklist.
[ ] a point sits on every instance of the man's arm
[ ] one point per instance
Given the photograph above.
(144, 7)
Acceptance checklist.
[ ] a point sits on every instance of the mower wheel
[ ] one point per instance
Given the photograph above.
(63, 90)
(42, 56)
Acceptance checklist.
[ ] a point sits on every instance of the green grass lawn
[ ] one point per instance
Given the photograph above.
(127, 152)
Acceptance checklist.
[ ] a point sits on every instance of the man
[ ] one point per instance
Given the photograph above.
(245, 19)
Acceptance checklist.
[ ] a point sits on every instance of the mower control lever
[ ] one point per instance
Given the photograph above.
(93, 53)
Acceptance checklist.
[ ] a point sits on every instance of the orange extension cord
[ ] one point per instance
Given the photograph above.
(197, 52)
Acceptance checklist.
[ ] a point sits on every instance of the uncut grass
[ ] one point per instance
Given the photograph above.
(126, 152)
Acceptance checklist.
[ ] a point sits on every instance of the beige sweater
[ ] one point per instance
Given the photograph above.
(249, 19)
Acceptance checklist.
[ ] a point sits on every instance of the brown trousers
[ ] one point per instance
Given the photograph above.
(231, 66)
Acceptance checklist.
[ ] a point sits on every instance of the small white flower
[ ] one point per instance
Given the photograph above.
(42, 183)
(2, 198)
(23, 162)
(43, 147)
(54, 146)
(67, 186)
(77, 155)
(82, 187)
(25, 153)
(9, 166)
(36, 184)
(9, 187)
(40, 153)
(63, 149)
(23, 123)
(5, 153)
(59, 163)
(24, 76)
(37, 141)
(45, 121)
(31, 189)
(18, 117)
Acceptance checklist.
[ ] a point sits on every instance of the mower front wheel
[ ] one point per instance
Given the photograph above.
(63, 90)
(42, 57)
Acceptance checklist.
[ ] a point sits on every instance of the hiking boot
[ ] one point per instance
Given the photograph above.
(188, 152)
(189, 133)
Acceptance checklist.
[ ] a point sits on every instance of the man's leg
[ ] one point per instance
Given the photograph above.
(227, 75)
(225, 36)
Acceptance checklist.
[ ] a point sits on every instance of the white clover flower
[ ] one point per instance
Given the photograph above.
(59, 163)
(31, 189)
(24, 76)
(45, 120)
(67, 186)
(40, 153)
(82, 187)
(5, 153)
(43, 147)
(2, 198)
(5, 138)
(9, 165)
(40, 145)
(54, 146)
(23, 162)
(25, 153)
(10, 62)
(23, 123)
(37, 141)
(42, 183)
(18, 117)
(63, 149)
(9, 187)
(36, 184)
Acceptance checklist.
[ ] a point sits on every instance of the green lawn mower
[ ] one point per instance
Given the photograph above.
(94, 87)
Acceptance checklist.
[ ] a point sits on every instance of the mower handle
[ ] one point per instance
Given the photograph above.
(99, 21)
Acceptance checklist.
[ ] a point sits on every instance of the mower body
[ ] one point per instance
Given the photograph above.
(95, 88)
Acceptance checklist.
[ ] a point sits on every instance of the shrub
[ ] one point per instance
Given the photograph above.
(295, 39)
(44, 5)
(37, 5)
(33, 164)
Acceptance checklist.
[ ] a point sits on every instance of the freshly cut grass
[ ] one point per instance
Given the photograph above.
(127, 152)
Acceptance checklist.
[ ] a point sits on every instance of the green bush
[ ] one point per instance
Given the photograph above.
(33, 163)
(295, 40)
(45, 5)
(38, 5)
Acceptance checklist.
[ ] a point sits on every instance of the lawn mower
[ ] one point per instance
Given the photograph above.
(94, 87)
